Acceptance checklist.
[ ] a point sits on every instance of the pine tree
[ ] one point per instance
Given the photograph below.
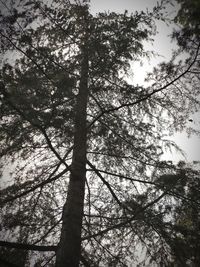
(82, 138)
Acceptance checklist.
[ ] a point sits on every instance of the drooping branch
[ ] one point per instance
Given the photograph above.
(149, 95)
(37, 126)
(25, 54)
(12, 198)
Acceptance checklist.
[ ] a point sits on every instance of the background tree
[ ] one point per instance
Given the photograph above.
(77, 130)
(186, 243)
(184, 225)
(188, 17)
(181, 230)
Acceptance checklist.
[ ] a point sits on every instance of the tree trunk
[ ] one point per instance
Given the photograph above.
(69, 249)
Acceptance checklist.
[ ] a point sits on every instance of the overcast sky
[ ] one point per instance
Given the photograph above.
(163, 46)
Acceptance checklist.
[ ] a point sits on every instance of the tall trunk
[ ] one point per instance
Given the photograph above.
(69, 249)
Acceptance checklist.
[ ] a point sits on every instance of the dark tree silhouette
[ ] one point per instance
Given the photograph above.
(85, 143)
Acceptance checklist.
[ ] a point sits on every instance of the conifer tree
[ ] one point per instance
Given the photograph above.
(83, 140)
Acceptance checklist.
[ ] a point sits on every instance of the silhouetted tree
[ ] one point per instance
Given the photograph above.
(84, 141)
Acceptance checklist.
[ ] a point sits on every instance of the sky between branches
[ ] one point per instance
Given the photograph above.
(163, 46)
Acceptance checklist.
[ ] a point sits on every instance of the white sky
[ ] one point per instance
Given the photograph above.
(163, 46)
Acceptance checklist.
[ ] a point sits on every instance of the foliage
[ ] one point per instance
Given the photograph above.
(188, 17)
(188, 14)
(183, 228)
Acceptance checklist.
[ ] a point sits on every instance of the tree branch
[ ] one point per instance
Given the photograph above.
(119, 225)
(27, 246)
(105, 182)
(144, 98)
(39, 127)
(127, 178)
(12, 198)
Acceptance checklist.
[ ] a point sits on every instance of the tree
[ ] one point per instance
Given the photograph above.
(187, 224)
(188, 17)
(181, 232)
(70, 119)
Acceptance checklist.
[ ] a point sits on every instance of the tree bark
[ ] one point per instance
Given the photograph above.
(69, 248)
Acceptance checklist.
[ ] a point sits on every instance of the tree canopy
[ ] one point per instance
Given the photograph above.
(88, 185)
